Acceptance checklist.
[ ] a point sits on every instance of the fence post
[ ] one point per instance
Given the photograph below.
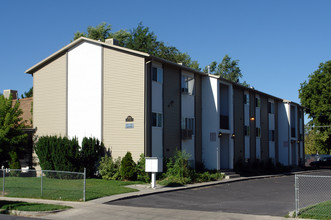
(84, 191)
(296, 195)
(3, 184)
(41, 187)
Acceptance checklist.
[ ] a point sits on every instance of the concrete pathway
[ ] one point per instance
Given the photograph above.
(96, 209)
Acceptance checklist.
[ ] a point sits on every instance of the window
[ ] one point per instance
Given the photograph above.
(257, 102)
(271, 135)
(258, 132)
(271, 108)
(188, 84)
(188, 124)
(157, 119)
(246, 98)
(247, 130)
(157, 74)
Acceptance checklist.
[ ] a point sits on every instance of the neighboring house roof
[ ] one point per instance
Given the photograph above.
(146, 55)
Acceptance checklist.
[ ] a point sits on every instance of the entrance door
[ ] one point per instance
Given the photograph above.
(224, 152)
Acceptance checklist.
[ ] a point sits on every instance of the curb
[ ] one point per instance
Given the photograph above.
(199, 185)
(29, 213)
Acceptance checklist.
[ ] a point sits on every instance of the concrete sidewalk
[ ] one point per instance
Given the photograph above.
(96, 209)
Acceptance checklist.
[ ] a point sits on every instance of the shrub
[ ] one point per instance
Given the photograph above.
(61, 153)
(178, 172)
(128, 168)
(141, 174)
(90, 154)
(109, 169)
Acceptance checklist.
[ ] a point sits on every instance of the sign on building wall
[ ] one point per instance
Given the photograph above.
(129, 119)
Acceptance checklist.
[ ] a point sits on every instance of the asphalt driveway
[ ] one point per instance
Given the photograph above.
(270, 196)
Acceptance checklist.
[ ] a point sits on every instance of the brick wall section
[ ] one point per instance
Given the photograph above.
(25, 106)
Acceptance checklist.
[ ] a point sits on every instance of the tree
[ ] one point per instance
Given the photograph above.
(11, 135)
(28, 93)
(141, 39)
(315, 96)
(228, 69)
(100, 32)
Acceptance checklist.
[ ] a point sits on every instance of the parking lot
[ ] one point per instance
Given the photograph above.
(269, 196)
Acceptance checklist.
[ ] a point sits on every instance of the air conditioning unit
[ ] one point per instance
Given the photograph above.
(187, 134)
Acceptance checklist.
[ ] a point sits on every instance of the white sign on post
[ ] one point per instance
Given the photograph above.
(153, 165)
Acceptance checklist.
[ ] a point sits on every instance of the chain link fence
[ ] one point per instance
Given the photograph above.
(313, 196)
(46, 184)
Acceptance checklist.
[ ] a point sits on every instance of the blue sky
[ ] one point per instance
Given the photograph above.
(279, 43)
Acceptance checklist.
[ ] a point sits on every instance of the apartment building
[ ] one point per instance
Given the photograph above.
(136, 102)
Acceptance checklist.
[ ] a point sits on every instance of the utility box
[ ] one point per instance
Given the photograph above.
(153, 164)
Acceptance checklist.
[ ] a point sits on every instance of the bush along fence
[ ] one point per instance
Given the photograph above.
(313, 196)
(46, 184)
(62, 153)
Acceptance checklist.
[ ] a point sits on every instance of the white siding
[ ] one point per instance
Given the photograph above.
(210, 122)
(84, 91)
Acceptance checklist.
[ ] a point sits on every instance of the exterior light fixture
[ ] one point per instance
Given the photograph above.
(220, 134)
(298, 142)
(252, 118)
(233, 135)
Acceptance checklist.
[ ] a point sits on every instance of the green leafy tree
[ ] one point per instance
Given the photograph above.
(315, 96)
(100, 32)
(228, 69)
(11, 135)
(28, 94)
(109, 169)
(141, 39)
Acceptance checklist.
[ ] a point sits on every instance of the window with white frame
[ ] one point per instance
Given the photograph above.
(247, 130)
(257, 102)
(271, 108)
(157, 74)
(271, 135)
(246, 98)
(188, 84)
(157, 119)
(258, 132)
(188, 124)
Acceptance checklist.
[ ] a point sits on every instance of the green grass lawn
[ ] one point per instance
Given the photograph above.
(24, 206)
(319, 211)
(62, 189)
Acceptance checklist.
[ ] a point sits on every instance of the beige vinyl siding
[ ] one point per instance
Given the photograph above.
(123, 97)
(49, 98)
